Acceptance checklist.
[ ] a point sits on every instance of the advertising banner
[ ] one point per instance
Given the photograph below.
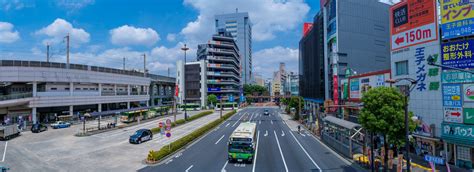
(458, 54)
(453, 114)
(457, 77)
(452, 95)
(354, 87)
(413, 22)
(468, 92)
(307, 27)
(458, 132)
(457, 18)
(468, 115)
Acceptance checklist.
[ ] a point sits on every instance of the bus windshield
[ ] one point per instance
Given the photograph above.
(237, 147)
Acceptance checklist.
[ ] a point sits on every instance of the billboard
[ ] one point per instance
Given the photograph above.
(468, 92)
(359, 84)
(413, 22)
(458, 54)
(452, 95)
(306, 28)
(457, 18)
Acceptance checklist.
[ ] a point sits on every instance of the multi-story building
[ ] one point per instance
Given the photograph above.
(259, 80)
(343, 37)
(216, 71)
(240, 27)
(35, 91)
(292, 82)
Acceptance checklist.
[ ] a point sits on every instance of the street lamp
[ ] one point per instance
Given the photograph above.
(407, 94)
(184, 82)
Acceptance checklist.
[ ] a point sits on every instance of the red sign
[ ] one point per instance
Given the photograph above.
(160, 124)
(413, 22)
(176, 90)
(306, 28)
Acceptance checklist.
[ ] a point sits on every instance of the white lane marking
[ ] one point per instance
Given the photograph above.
(220, 139)
(302, 135)
(250, 119)
(171, 160)
(281, 153)
(238, 120)
(223, 168)
(282, 133)
(5, 151)
(266, 133)
(304, 150)
(189, 168)
(271, 121)
(256, 152)
(260, 122)
(227, 124)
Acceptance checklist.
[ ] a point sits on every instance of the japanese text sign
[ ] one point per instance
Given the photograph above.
(413, 22)
(468, 115)
(457, 18)
(453, 114)
(459, 132)
(458, 54)
(457, 77)
(452, 95)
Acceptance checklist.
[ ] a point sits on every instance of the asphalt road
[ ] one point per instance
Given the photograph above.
(279, 148)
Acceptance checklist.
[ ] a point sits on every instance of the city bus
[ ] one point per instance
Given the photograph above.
(241, 145)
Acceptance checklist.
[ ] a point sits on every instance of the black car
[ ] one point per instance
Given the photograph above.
(140, 136)
(265, 112)
(36, 128)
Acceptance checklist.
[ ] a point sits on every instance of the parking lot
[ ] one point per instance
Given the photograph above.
(60, 150)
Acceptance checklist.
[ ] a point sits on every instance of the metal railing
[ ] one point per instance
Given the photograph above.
(16, 96)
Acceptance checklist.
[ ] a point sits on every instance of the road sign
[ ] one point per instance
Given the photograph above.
(453, 114)
(434, 159)
(162, 131)
(168, 134)
(452, 95)
(413, 22)
(231, 98)
(160, 124)
(468, 115)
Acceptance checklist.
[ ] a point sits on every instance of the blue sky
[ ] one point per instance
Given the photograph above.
(105, 31)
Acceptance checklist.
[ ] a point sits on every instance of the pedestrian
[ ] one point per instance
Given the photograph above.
(299, 129)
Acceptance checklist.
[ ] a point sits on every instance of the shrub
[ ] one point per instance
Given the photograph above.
(178, 144)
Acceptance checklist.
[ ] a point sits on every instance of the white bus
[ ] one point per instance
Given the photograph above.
(241, 145)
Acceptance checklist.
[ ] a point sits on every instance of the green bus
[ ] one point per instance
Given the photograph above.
(241, 145)
(132, 116)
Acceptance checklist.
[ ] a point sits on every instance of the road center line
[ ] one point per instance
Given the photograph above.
(223, 168)
(4, 151)
(227, 125)
(220, 139)
(238, 120)
(256, 152)
(189, 168)
(281, 152)
(305, 151)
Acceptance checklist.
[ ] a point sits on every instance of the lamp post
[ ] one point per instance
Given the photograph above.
(184, 82)
(407, 94)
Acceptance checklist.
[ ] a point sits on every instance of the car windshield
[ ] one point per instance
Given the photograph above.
(239, 147)
(137, 133)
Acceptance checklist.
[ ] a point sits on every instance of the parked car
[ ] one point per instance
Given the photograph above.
(265, 112)
(140, 136)
(36, 128)
(60, 124)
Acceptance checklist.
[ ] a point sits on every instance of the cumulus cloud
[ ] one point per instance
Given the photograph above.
(57, 30)
(171, 37)
(73, 5)
(7, 34)
(129, 35)
(270, 58)
(262, 15)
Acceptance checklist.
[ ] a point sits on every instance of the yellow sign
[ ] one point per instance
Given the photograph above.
(456, 10)
(456, 97)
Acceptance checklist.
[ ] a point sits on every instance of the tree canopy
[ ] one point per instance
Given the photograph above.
(251, 89)
(212, 99)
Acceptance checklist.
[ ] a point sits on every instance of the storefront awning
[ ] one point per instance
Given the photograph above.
(426, 137)
(341, 122)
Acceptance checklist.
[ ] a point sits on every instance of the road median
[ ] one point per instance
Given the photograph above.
(157, 156)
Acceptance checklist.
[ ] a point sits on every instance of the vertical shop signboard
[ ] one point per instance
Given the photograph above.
(458, 54)
(457, 18)
(452, 95)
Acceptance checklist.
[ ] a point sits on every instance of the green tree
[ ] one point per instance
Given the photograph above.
(212, 99)
(383, 113)
(296, 102)
(251, 89)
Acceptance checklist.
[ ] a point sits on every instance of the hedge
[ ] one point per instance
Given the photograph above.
(154, 156)
(182, 121)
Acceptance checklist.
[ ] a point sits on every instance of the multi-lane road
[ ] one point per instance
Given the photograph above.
(279, 148)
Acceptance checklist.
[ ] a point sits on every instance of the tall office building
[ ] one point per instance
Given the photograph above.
(240, 27)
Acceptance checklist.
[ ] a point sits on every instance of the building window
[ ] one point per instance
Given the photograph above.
(54, 88)
(401, 68)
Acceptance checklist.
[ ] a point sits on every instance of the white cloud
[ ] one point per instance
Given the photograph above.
(7, 34)
(262, 14)
(57, 30)
(129, 35)
(7, 5)
(73, 5)
(270, 59)
(171, 37)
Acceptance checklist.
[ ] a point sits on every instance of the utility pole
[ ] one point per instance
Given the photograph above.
(222, 107)
(47, 52)
(124, 63)
(144, 65)
(67, 50)
(184, 82)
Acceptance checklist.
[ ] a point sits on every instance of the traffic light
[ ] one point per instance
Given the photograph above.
(431, 60)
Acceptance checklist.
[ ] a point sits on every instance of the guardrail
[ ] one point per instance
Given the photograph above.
(16, 96)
